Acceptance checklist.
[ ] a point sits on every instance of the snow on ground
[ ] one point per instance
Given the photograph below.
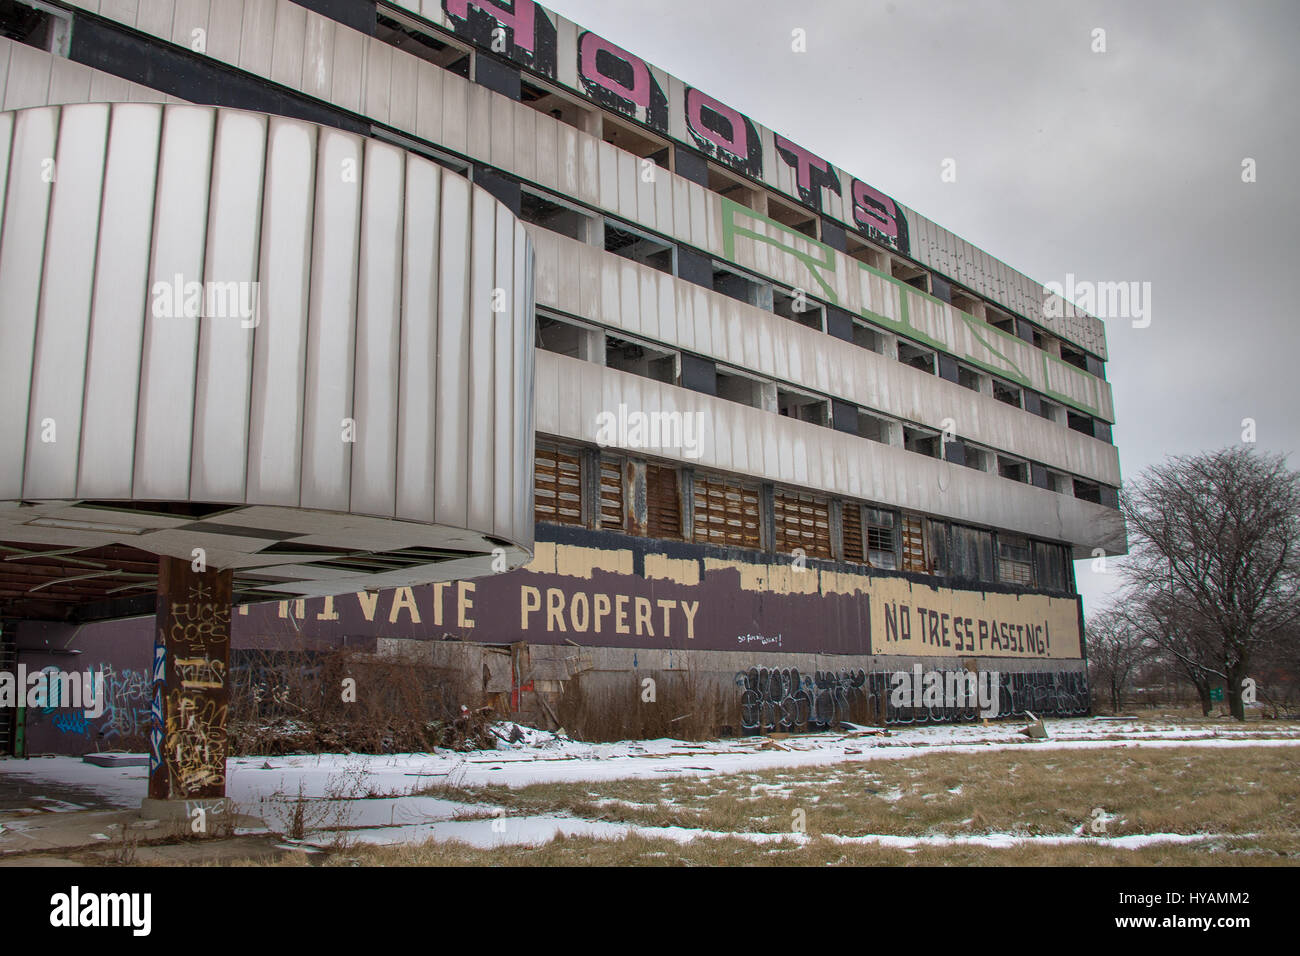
(371, 796)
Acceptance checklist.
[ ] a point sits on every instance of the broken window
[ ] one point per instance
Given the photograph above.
(1079, 423)
(873, 428)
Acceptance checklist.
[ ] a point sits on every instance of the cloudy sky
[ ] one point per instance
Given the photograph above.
(1123, 165)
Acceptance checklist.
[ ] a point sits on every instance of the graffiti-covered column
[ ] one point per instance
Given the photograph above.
(187, 743)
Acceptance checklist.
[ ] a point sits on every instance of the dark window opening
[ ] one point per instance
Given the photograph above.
(414, 41)
(638, 247)
(632, 140)
(797, 306)
(732, 187)
(806, 408)
(1008, 394)
(640, 360)
(1087, 491)
(873, 428)
(1079, 423)
(795, 217)
(864, 336)
(1015, 470)
(865, 253)
(968, 378)
(32, 27)
(918, 278)
(963, 301)
(923, 442)
(916, 357)
(1000, 320)
(736, 286)
(740, 389)
(555, 105)
(542, 211)
(563, 338)
(1074, 357)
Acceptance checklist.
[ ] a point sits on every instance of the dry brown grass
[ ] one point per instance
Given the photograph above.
(1173, 790)
(684, 709)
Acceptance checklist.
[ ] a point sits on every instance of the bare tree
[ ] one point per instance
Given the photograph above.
(1218, 535)
(1115, 648)
(1175, 634)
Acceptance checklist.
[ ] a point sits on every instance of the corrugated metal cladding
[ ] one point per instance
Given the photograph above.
(211, 305)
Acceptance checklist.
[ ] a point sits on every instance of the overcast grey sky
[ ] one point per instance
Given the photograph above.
(1117, 166)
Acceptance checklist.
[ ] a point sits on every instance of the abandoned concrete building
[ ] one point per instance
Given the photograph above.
(785, 437)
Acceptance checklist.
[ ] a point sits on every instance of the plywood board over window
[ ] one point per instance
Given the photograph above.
(557, 484)
(802, 521)
(663, 502)
(726, 513)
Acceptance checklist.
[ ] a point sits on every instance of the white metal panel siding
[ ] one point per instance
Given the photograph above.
(371, 274)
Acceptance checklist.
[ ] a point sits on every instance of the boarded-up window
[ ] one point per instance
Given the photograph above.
(663, 503)
(936, 536)
(726, 513)
(971, 554)
(1013, 560)
(611, 493)
(914, 544)
(882, 547)
(1050, 566)
(557, 485)
(802, 521)
(851, 523)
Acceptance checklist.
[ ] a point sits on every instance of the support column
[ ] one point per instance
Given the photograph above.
(187, 744)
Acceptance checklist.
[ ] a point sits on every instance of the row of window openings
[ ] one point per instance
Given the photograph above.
(585, 488)
(567, 108)
(558, 335)
(658, 254)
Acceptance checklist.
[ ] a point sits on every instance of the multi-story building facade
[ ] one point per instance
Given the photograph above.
(792, 437)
